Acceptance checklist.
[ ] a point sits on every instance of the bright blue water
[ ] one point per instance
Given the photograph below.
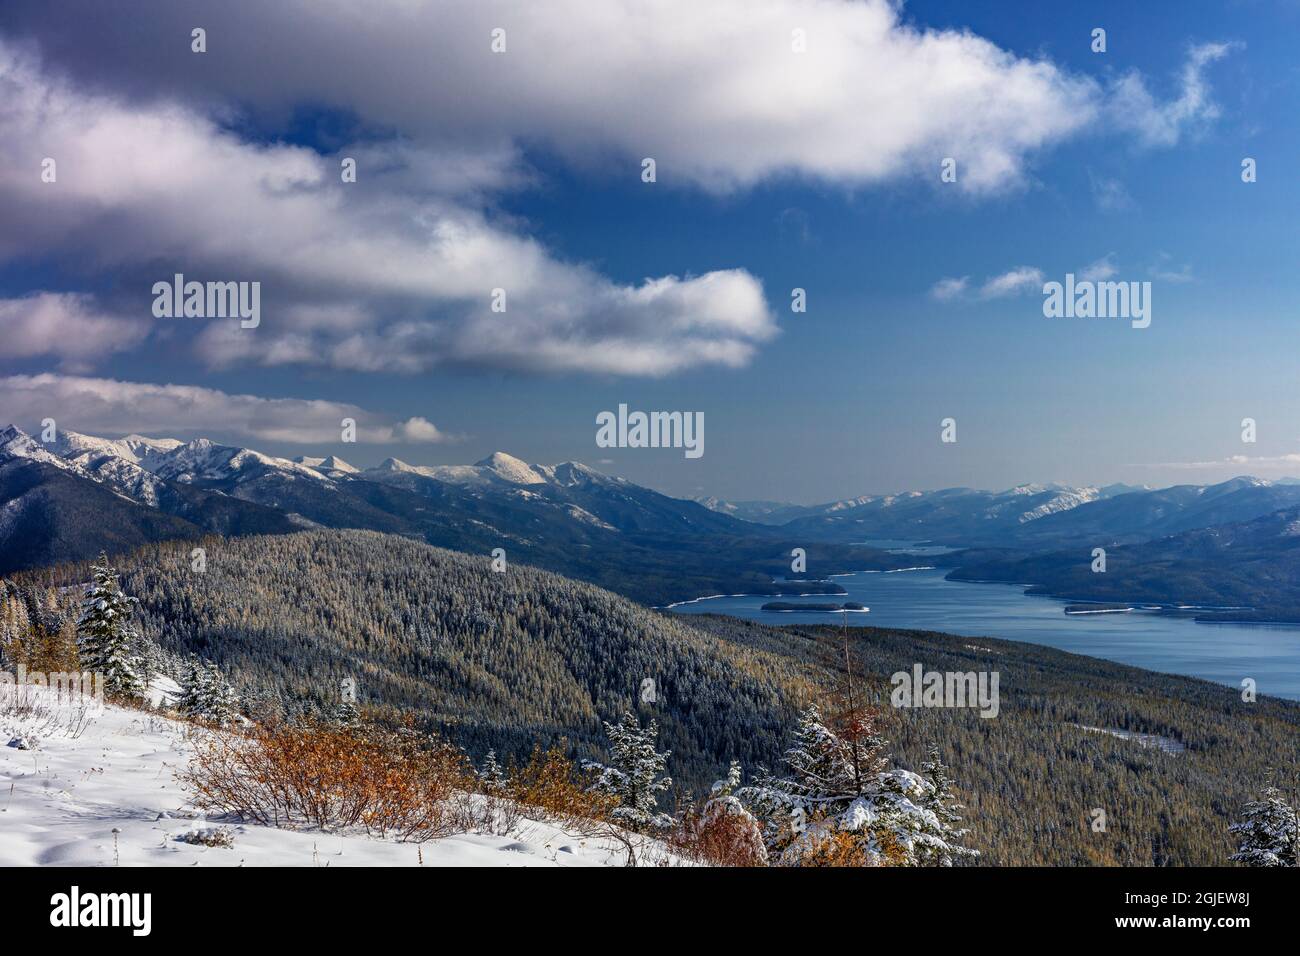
(1225, 653)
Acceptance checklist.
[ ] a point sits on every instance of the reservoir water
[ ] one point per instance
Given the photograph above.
(923, 600)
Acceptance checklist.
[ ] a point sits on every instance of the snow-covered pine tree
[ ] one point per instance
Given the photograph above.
(347, 714)
(635, 777)
(947, 812)
(192, 700)
(205, 695)
(1267, 833)
(222, 702)
(840, 804)
(492, 775)
(106, 638)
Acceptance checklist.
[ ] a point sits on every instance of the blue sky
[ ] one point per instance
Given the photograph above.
(845, 399)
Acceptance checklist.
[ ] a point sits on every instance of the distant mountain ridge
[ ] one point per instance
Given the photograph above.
(1034, 517)
(1251, 567)
(566, 517)
(912, 509)
(81, 494)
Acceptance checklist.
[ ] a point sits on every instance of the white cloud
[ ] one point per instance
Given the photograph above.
(66, 325)
(1288, 462)
(375, 278)
(713, 91)
(1132, 106)
(1110, 194)
(418, 430)
(945, 290)
(394, 273)
(1099, 271)
(1014, 282)
(1164, 270)
(112, 407)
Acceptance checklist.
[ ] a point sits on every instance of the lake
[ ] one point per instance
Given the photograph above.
(923, 600)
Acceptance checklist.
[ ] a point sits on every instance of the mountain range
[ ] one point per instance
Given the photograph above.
(1035, 517)
(81, 494)
(75, 496)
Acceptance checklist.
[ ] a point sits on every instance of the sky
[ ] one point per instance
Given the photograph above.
(522, 170)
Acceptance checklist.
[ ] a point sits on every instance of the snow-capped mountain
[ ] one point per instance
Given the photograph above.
(1031, 515)
(327, 464)
(947, 514)
(15, 443)
(565, 516)
(80, 494)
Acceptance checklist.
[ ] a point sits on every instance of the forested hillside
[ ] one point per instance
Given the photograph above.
(1032, 777)
(508, 660)
(496, 659)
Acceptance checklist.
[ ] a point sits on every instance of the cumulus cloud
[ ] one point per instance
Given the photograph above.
(713, 91)
(113, 407)
(66, 325)
(395, 272)
(380, 278)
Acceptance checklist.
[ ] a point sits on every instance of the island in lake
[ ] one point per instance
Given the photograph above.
(795, 606)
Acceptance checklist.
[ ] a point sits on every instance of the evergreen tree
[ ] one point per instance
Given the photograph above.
(192, 701)
(635, 777)
(205, 696)
(492, 775)
(222, 702)
(347, 713)
(737, 829)
(106, 636)
(1268, 833)
(946, 809)
(841, 804)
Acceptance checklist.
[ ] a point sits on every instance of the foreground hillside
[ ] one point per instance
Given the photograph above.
(510, 660)
(100, 790)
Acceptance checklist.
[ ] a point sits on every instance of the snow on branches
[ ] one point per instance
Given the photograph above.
(841, 804)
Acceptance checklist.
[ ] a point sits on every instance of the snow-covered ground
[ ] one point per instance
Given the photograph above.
(107, 796)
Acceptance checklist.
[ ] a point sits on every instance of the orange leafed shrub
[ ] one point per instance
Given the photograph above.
(549, 783)
(395, 784)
